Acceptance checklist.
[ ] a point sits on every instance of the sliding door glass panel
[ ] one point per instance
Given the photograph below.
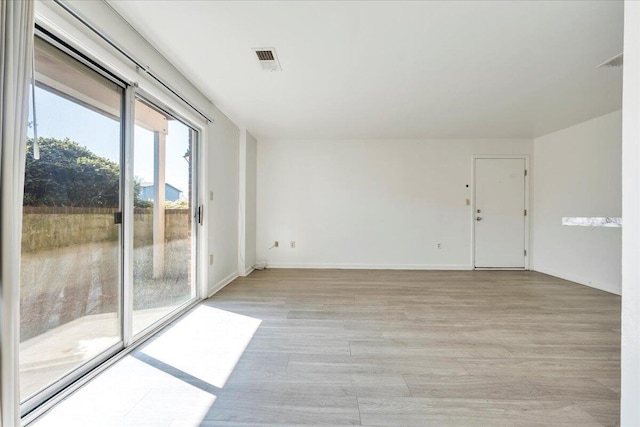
(70, 277)
(162, 254)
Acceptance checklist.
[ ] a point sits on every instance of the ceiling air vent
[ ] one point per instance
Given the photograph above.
(616, 61)
(267, 59)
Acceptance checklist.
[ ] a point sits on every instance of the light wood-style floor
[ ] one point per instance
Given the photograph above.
(421, 348)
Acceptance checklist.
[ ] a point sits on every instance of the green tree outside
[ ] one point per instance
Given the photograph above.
(68, 174)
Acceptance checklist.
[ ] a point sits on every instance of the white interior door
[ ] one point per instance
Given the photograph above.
(500, 213)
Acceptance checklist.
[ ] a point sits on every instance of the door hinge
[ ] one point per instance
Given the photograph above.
(525, 212)
(117, 217)
(525, 172)
(525, 252)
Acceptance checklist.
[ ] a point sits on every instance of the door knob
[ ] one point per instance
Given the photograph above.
(478, 218)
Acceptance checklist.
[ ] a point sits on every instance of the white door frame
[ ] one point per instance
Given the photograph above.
(527, 207)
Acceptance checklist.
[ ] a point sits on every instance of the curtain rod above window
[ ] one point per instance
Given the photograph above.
(139, 64)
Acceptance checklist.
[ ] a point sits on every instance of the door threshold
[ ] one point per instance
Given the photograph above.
(501, 268)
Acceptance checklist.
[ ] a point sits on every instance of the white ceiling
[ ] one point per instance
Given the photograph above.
(394, 69)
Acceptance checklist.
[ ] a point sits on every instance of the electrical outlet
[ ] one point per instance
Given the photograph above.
(276, 244)
(293, 244)
(211, 259)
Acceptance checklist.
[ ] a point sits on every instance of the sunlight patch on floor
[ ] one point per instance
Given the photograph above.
(221, 337)
(175, 376)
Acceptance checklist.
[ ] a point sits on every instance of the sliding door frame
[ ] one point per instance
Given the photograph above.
(58, 385)
(128, 180)
(39, 403)
(196, 294)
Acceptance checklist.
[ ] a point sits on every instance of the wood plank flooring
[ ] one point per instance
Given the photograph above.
(421, 348)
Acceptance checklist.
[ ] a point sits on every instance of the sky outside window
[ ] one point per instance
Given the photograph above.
(66, 119)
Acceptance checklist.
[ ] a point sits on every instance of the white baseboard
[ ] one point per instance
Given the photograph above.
(341, 266)
(244, 270)
(222, 283)
(607, 287)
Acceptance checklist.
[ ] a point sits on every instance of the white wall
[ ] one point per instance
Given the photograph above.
(250, 202)
(369, 204)
(247, 208)
(221, 213)
(630, 353)
(577, 172)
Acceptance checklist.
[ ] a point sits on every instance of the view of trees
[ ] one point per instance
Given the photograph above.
(68, 174)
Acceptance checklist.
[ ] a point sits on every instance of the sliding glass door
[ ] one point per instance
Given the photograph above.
(70, 267)
(74, 278)
(163, 220)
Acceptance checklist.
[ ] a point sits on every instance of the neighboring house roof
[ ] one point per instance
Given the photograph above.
(150, 184)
